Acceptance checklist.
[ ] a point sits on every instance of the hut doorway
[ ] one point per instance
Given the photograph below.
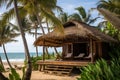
(80, 48)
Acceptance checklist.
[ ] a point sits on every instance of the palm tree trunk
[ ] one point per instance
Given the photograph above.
(29, 66)
(54, 47)
(6, 56)
(46, 49)
(110, 17)
(2, 77)
(35, 39)
(39, 22)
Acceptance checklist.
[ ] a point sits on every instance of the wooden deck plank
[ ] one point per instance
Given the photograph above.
(67, 63)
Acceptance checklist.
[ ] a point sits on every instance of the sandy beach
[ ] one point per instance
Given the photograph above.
(37, 75)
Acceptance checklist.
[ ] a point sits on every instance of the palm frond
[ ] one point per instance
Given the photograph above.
(63, 17)
(59, 9)
(7, 16)
(110, 17)
(3, 2)
(93, 20)
(14, 26)
(111, 5)
(51, 18)
(81, 11)
(75, 16)
(9, 4)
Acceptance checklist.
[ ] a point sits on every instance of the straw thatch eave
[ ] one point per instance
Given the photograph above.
(74, 31)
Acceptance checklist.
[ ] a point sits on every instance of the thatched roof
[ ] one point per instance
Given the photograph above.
(74, 31)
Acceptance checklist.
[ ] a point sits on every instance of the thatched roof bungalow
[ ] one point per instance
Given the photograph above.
(78, 38)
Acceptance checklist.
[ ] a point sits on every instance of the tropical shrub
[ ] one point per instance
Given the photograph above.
(1, 68)
(34, 60)
(101, 70)
(14, 75)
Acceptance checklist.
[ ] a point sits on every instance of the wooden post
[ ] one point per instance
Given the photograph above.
(99, 49)
(91, 49)
(72, 50)
(43, 51)
(94, 49)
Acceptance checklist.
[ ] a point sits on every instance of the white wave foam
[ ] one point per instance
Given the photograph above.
(14, 60)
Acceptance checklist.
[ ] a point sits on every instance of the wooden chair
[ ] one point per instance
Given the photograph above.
(89, 56)
(69, 55)
(81, 55)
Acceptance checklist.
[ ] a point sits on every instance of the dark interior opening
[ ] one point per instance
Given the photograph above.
(69, 48)
(79, 48)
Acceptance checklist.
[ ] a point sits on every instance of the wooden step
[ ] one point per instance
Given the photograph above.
(57, 72)
(57, 69)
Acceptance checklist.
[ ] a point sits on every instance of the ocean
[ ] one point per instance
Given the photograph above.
(19, 56)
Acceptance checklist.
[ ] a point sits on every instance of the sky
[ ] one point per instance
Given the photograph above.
(67, 6)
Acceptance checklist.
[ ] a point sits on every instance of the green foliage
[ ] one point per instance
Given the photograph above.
(35, 59)
(14, 75)
(23, 70)
(50, 56)
(101, 70)
(109, 29)
(1, 68)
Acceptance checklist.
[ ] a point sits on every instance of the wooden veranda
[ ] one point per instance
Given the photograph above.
(60, 67)
(64, 63)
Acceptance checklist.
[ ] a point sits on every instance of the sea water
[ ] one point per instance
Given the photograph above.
(19, 56)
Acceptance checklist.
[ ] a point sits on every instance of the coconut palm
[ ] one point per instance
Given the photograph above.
(29, 67)
(63, 17)
(111, 5)
(110, 17)
(7, 34)
(31, 7)
(47, 24)
(38, 8)
(6, 17)
(34, 24)
(83, 16)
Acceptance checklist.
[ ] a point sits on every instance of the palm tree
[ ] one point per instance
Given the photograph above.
(31, 7)
(83, 16)
(63, 17)
(110, 17)
(34, 24)
(111, 5)
(47, 24)
(29, 67)
(6, 35)
(38, 8)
